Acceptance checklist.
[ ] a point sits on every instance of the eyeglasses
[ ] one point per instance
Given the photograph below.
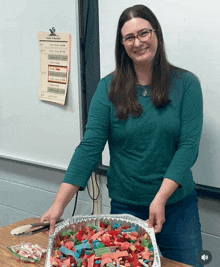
(143, 35)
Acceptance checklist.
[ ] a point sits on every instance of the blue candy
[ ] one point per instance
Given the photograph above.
(132, 229)
(96, 243)
(83, 246)
(116, 225)
(78, 253)
(67, 251)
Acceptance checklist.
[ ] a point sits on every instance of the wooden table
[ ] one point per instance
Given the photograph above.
(7, 259)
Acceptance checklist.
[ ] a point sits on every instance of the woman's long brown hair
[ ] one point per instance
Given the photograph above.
(123, 90)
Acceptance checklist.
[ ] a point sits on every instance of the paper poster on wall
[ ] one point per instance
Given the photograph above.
(55, 54)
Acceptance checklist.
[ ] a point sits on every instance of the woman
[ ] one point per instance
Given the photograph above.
(151, 114)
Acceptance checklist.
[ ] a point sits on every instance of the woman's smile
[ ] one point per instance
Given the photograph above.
(141, 51)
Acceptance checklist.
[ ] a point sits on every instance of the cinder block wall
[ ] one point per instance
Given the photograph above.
(28, 191)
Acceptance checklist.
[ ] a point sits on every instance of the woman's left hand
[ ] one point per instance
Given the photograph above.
(157, 215)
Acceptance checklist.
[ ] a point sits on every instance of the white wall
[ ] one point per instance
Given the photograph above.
(32, 130)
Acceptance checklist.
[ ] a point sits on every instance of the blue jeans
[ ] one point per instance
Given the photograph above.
(180, 238)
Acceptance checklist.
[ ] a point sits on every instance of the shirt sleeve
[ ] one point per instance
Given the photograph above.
(190, 131)
(89, 151)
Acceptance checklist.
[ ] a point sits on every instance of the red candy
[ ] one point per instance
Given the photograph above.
(89, 247)
(79, 235)
(69, 244)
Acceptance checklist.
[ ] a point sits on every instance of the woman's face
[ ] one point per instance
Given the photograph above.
(140, 52)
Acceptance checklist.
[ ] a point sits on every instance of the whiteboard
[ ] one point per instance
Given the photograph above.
(192, 40)
(36, 131)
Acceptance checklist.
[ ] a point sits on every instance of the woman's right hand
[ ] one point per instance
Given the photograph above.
(63, 197)
(52, 215)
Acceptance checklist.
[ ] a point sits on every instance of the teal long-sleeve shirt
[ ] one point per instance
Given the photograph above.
(161, 143)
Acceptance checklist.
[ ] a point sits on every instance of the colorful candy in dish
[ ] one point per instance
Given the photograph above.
(103, 240)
